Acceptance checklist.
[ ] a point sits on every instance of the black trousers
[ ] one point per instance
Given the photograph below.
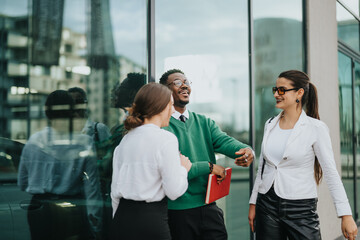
(137, 220)
(281, 219)
(201, 223)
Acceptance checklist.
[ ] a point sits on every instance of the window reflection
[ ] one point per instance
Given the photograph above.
(209, 43)
(357, 123)
(346, 124)
(90, 45)
(212, 51)
(278, 46)
(58, 168)
(348, 28)
(352, 5)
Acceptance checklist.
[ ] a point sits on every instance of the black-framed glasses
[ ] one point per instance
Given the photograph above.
(179, 83)
(282, 90)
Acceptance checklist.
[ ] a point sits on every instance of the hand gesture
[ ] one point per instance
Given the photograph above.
(185, 162)
(246, 157)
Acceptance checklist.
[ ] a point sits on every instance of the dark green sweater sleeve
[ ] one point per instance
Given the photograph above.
(223, 143)
(198, 169)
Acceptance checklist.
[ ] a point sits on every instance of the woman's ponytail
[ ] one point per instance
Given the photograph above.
(133, 120)
(312, 105)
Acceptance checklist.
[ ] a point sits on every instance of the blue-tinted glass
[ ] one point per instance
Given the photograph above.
(64, 85)
(357, 124)
(208, 40)
(348, 28)
(278, 46)
(346, 124)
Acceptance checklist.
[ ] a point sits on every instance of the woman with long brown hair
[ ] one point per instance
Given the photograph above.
(147, 168)
(296, 153)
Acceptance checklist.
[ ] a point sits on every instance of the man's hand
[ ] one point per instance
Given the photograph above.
(246, 158)
(220, 172)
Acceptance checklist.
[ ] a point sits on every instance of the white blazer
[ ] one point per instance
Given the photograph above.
(293, 177)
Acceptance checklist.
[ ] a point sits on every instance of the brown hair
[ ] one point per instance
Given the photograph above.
(150, 100)
(309, 100)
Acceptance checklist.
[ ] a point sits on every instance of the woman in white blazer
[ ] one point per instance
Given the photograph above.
(147, 168)
(296, 153)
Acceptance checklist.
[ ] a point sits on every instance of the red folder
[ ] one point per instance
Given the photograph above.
(216, 190)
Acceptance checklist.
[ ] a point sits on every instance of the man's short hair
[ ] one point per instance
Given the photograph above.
(79, 94)
(123, 94)
(59, 104)
(164, 77)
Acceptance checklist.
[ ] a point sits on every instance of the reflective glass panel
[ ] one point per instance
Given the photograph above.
(346, 125)
(353, 5)
(208, 41)
(357, 125)
(348, 28)
(68, 70)
(278, 46)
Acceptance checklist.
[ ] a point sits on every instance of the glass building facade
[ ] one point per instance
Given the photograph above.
(231, 50)
(349, 98)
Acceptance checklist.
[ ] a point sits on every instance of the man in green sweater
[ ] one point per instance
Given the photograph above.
(199, 139)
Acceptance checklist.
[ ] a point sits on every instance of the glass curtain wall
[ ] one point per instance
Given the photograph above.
(67, 71)
(348, 27)
(100, 47)
(357, 129)
(208, 41)
(278, 46)
(349, 97)
(346, 125)
(353, 5)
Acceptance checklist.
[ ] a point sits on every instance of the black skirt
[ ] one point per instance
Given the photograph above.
(282, 219)
(140, 220)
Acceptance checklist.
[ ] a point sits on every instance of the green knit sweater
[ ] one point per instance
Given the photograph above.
(199, 138)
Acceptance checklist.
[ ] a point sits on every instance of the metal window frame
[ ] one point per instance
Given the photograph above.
(349, 10)
(354, 57)
(150, 25)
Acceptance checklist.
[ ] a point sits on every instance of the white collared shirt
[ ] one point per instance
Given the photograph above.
(293, 177)
(146, 166)
(177, 115)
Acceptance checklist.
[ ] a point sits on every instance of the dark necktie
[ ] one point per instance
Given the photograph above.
(182, 118)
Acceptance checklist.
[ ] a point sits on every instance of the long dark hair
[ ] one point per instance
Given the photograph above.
(150, 100)
(309, 100)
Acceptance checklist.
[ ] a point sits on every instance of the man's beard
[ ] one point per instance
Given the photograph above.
(183, 103)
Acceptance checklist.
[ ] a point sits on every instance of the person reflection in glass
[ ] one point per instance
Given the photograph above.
(98, 131)
(58, 167)
(122, 97)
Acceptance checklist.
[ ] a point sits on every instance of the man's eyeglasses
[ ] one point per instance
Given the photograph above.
(282, 90)
(179, 83)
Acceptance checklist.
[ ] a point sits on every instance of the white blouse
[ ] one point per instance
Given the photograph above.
(276, 144)
(146, 166)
